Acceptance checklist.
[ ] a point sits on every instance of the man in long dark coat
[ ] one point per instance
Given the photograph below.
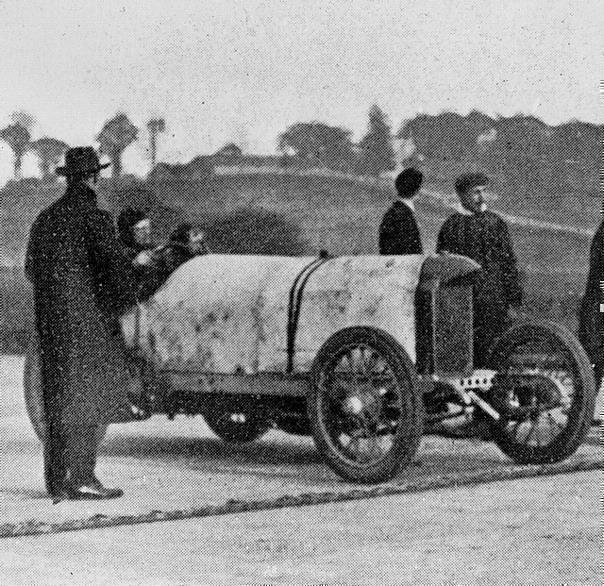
(483, 236)
(399, 233)
(82, 280)
(590, 317)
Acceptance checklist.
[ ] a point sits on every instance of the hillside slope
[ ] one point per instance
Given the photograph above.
(340, 215)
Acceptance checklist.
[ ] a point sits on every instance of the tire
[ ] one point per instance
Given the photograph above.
(364, 389)
(235, 421)
(32, 391)
(556, 393)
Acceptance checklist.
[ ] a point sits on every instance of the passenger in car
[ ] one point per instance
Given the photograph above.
(186, 242)
(157, 264)
(483, 236)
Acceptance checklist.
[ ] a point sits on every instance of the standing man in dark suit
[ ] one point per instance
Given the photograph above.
(591, 318)
(483, 236)
(399, 233)
(82, 281)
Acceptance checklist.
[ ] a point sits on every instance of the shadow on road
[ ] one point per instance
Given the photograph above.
(274, 458)
(28, 494)
(204, 448)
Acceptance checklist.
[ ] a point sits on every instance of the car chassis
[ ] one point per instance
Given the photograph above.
(363, 353)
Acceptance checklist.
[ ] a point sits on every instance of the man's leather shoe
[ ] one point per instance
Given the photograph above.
(92, 491)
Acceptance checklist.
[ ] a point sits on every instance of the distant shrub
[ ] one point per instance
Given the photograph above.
(254, 231)
(20, 203)
(16, 310)
(199, 168)
(130, 194)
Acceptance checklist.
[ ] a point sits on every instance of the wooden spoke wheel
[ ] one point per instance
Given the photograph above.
(365, 407)
(544, 390)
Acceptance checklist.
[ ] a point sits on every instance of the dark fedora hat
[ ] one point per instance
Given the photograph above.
(81, 161)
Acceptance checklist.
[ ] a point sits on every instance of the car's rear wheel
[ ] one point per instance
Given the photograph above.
(544, 390)
(365, 406)
(32, 391)
(235, 420)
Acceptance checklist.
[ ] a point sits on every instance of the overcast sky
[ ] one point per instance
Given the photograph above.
(245, 70)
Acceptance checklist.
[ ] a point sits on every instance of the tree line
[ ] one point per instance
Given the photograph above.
(116, 135)
(312, 143)
(522, 149)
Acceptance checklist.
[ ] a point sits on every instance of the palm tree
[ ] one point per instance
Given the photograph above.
(17, 137)
(49, 151)
(155, 126)
(115, 136)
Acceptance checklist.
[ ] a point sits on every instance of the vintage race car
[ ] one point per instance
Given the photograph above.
(361, 352)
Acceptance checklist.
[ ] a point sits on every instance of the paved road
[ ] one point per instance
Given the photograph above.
(547, 532)
(167, 466)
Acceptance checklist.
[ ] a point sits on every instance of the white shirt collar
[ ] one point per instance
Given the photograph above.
(409, 203)
(465, 212)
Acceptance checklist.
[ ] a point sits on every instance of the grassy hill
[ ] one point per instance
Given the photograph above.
(243, 213)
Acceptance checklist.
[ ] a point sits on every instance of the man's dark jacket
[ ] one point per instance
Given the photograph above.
(484, 237)
(82, 281)
(399, 233)
(590, 318)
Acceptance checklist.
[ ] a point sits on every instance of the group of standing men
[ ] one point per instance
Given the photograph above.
(474, 232)
(483, 236)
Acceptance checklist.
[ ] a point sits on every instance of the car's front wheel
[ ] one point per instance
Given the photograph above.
(365, 406)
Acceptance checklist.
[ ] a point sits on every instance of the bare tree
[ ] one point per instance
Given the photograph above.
(49, 151)
(17, 137)
(155, 126)
(116, 135)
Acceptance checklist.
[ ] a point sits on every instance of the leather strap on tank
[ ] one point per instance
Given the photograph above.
(295, 301)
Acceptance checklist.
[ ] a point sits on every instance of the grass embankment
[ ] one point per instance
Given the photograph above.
(16, 314)
(302, 215)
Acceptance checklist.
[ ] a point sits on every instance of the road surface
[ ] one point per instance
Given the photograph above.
(534, 530)
(543, 531)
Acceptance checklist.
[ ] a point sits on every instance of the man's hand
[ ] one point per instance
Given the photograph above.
(143, 258)
(517, 313)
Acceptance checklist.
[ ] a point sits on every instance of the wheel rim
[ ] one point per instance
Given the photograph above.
(537, 386)
(360, 404)
(235, 419)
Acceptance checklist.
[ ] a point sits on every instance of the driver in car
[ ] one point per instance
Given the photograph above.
(134, 229)
(153, 265)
